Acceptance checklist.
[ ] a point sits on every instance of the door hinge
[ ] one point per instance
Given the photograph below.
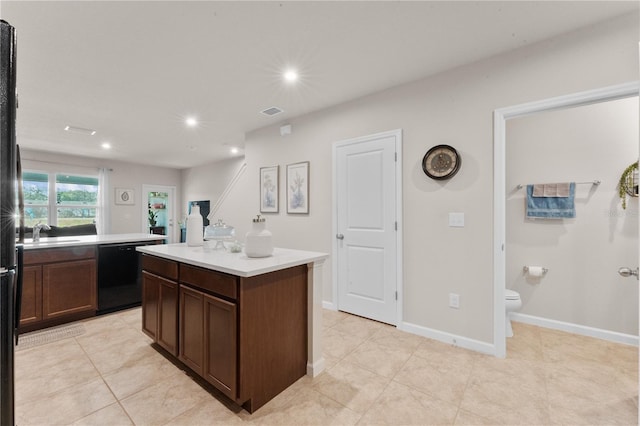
(396, 295)
(396, 225)
(395, 157)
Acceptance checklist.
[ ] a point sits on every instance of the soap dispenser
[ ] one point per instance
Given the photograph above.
(258, 241)
(194, 227)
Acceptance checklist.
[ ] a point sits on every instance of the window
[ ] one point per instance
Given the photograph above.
(36, 197)
(59, 199)
(76, 199)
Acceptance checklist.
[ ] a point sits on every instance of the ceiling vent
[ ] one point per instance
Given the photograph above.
(271, 111)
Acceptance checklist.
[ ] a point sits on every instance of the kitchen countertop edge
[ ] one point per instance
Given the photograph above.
(233, 263)
(84, 240)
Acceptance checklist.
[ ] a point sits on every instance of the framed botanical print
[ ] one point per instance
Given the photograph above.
(269, 186)
(124, 196)
(298, 188)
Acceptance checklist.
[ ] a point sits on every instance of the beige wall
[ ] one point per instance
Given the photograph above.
(208, 182)
(123, 218)
(456, 108)
(583, 254)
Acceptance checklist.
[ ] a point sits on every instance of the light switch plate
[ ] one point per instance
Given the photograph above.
(456, 220)
(454, 300)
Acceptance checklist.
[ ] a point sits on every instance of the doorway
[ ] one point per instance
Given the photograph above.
(158, 210)
(367, 191)
(500, 190)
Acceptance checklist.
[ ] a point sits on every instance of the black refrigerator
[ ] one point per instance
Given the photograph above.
(10, 252)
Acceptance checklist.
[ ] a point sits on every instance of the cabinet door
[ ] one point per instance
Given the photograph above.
(150, 306)
(192, 329)
(68, 288)
(31, 307)
(168, 316)
(220, 344)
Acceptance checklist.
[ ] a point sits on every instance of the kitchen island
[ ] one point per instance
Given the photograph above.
(60, 277)
(248, 326)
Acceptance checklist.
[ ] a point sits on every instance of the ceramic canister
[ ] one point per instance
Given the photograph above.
(194, 227)
(258, 241)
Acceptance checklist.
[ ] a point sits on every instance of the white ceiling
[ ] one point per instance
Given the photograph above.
(133, 71)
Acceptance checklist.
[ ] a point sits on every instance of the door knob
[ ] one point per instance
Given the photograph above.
(627, 272)
(340, 236)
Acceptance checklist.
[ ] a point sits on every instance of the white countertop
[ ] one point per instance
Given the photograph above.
(83, 240)
(233, 263)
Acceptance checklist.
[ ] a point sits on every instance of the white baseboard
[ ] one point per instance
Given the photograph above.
(313, 370)
(612, 336)
(329, 305)
(451, 339)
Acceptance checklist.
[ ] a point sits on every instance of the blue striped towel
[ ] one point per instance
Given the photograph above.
(551, 207)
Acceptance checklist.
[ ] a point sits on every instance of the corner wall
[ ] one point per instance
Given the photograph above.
(456, 108)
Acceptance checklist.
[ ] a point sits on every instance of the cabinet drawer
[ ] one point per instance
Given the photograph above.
(210, 281)
(32, 257)
(164, 268)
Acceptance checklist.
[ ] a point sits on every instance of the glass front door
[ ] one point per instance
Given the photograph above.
(158, 210)
(158, 218)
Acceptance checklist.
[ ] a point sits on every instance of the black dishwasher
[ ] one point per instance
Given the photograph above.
(119, 276)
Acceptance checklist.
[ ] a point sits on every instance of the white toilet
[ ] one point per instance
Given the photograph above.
(512, 302)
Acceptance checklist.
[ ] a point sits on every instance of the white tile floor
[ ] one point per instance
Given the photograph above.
(375, 375)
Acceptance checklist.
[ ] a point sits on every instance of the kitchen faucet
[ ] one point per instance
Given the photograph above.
(36, 230)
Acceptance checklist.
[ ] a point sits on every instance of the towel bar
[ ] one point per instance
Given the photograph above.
(593, 182)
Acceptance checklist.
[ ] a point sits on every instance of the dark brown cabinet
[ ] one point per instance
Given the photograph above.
(247, 336)
(208, 338)
(220, 346)
(160, 302)
(150, 307)
(68, 288)
(192, 329)
(31, 308)
(59, 285)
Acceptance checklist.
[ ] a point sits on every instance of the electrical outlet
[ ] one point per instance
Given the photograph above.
(454, 300)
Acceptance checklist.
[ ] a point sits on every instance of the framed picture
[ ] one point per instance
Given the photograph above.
(269, 186)
(298, 188)
(124, 196)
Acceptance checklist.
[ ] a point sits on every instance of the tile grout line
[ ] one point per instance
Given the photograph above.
(105, 382)
(362, 415)
(342, 359)
(466, 386)
(391, 379)
(546, 372)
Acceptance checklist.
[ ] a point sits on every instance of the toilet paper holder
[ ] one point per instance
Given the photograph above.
(525, 269)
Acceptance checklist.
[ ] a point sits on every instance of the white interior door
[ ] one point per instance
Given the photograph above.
(366, 226)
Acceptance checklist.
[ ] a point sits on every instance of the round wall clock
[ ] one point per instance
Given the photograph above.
(441, 162)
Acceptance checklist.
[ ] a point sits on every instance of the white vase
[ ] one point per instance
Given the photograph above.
(258, 241)
(194, 227)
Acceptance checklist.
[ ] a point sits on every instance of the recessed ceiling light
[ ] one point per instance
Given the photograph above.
(291, 76)
(106, 145)
(191, 121)
(80, 130)
(234, 150)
